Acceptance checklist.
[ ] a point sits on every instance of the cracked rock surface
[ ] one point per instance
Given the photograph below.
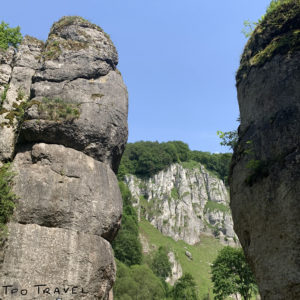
(184, 203)
(265, 171)
(64, 127)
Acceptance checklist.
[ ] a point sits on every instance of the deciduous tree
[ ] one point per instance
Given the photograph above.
(185, 288)
(161, 265)
(9, 36)
(231, 274)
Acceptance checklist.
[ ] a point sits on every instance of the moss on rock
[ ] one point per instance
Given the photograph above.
(58, 110)
(17, 113)
(3, 95)
(57, 42)
(73, 20)
(277, 33)
(54, 48)
(33, 41)
(7, 197)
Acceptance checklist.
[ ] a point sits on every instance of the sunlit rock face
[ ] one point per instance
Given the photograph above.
(64, 126)
(16, 71)
(265, 171)
(185, 203)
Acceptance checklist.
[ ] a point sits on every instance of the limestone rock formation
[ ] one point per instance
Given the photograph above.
(16, 72)
(176, 271)
(184, 203)
(55, 191)
(265, 171)
(64, 126)
(79, 67)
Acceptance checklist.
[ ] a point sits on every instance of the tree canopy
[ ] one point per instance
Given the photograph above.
(144, 159)
(231, 274)
(9, 36)
(137, 283)
(126, 245)
(161, 265)
(185, 288)
(229, 138)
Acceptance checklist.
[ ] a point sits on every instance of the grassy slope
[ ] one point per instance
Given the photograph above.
(203, 254)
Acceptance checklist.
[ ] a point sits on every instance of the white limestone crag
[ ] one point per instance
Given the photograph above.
(176, 271)
(184, 203)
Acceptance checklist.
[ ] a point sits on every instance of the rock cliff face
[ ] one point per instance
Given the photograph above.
(265, 171)
(64, 126)
(184, 203)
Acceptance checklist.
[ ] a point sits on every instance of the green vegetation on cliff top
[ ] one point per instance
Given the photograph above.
(144, 159)
(277, 32)
(9, 36)
(75, 20)
(72, 20)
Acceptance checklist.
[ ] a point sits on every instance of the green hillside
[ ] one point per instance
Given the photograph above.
(203, 254)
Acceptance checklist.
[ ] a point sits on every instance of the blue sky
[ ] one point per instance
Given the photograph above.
(178, 59)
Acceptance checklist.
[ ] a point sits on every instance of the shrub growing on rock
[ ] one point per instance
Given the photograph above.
(9, 36)
(7, 197)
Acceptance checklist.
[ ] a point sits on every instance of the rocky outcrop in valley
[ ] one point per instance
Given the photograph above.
(184, 202)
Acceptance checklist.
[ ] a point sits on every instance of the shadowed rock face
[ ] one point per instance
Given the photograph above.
(265, 171)
(64, 125)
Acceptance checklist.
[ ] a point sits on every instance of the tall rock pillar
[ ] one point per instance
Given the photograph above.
(66, 144)
(265, 171)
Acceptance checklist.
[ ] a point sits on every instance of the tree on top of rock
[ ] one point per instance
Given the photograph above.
(9, 36)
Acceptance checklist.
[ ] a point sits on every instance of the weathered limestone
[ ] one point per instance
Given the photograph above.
(76, 49)
(78, 66)
(64, 125)
(184, 203)
(61, 187)
(15, 80)
(265, 171)
(176, 271)
(100, 130)
(6, 58)
(57, 259)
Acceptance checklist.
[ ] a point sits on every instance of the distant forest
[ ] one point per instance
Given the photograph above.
(145, 159)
